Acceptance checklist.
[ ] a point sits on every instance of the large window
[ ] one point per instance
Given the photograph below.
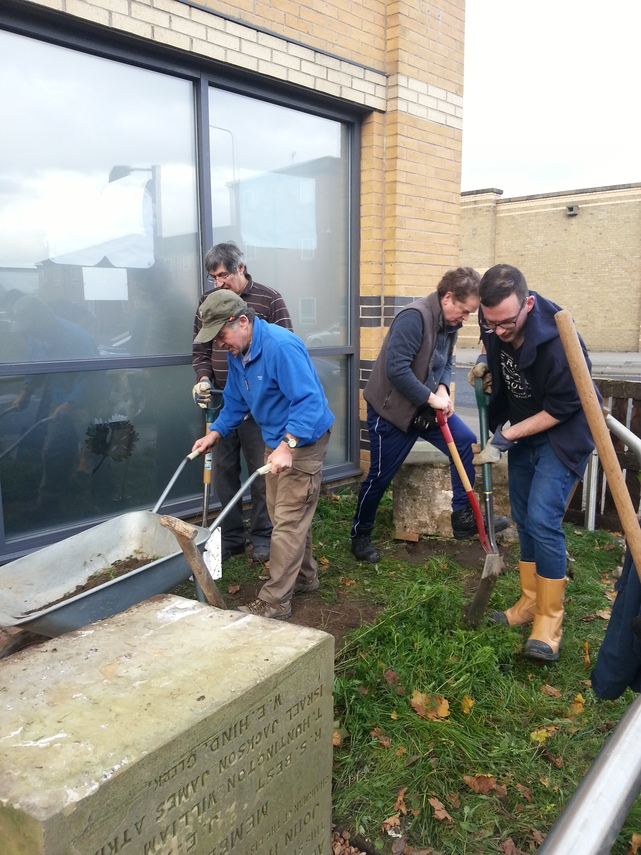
(102, 191)
(279, 180)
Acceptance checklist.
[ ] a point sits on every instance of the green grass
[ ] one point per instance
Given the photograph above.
(420, 644)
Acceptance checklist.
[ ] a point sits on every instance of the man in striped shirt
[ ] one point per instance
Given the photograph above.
(226, 268)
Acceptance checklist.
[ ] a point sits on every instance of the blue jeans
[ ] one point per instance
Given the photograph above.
(389, 447)
(540, 486)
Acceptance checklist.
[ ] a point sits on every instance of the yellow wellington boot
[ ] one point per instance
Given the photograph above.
(523, 610)
(547, 630)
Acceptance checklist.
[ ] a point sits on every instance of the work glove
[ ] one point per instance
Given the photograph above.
(492, 451)
(202, 393)
(481, 370)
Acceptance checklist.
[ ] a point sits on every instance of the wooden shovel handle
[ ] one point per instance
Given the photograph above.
(185, 534)
(600, 434)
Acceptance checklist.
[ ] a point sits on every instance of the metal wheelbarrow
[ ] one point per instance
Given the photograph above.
(37, 591)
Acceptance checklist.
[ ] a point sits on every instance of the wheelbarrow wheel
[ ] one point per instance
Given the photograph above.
(19, 641)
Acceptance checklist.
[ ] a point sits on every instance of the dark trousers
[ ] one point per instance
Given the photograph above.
(226, 463)
(389, 447)
(618, 664)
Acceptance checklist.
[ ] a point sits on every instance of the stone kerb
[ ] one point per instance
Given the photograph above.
(170, 728)
(422, 493)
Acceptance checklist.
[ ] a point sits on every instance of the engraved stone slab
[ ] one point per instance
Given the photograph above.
(170, 729)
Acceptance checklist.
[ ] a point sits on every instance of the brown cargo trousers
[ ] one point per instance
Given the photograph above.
(292, 496)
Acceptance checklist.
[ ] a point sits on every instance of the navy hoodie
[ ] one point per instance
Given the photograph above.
(543, 364)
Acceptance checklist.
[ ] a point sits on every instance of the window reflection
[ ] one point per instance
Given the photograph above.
(78, 446)
(281, 193)
(98, 217)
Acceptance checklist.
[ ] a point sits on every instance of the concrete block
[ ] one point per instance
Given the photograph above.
(168, 729)
(422, 493)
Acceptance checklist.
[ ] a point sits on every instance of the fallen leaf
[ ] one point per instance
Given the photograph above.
(577, 532)
(635, 843)
(455, 799)
(411, 760)
(324, 561)
(483, 784)
(509, 848)
(391, 822)
(558, 761)
(550, 690)
(527, 792)
(345, 581)
(577, 707)
(336, 738)
(605, 614)
(608, 547)
(439, 811)
(432, 707)
(586, 655)
(542, 734)
(398, 846)
(610, 595)
(383, 740)
(393, 715)
(400, 751)
(400, 801)
(467, 704)
(390, 677)
(363, 690)
(587, 618)
(537, 836)
(233, 589)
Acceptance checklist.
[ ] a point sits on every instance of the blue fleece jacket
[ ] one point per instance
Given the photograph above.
(278, 385)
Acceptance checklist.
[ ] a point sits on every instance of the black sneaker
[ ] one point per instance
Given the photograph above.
(364, 549)
(464, 524)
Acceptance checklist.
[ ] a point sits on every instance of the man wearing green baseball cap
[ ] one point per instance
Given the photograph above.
(272, 377)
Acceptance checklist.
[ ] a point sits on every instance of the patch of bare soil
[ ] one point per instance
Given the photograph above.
(338, 618)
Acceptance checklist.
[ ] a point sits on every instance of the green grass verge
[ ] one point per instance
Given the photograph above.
(519, 724)
(525, 732)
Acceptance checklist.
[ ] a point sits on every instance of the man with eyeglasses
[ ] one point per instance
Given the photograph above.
(226, 269)
(548, 442)
(410, 380)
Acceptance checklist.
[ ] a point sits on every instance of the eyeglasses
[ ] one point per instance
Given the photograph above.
(219, 277)
(507, 325)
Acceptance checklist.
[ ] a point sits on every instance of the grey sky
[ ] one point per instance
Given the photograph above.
(551, 95)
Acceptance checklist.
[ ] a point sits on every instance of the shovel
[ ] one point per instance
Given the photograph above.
(458, 463)
(493, 561)
(213, 554)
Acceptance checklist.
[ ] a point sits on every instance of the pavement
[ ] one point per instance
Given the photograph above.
(606, 363)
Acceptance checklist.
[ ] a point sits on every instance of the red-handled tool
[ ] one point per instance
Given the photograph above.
(456, 457)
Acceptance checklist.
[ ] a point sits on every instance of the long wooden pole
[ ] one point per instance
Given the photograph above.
(600, 434)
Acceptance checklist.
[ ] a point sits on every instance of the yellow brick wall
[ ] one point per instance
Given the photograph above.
(589, 264)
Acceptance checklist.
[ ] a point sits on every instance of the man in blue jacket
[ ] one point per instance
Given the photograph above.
(272, 377)
(548, 442)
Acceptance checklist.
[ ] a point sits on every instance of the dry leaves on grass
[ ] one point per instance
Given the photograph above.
(485, 784)
(550, 691)
(383, 740)
(439, 811)
(432, 707)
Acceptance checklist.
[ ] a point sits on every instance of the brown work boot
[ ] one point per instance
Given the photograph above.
(277, 611)
(547, 630)
(523, 610)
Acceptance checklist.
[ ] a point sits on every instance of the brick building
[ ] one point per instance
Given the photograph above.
(325, 140)
(580, 248)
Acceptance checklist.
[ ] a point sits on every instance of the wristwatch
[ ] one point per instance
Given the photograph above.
(291, 442)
